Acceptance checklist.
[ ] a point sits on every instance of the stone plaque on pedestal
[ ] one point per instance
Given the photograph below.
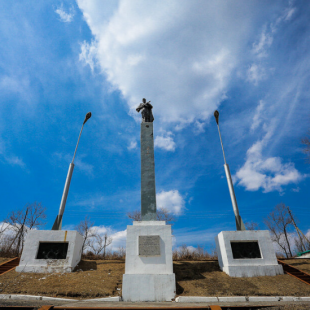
(149, 245)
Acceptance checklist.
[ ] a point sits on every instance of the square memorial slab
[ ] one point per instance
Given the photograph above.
(48, 251)
(247, 253)
(246, 249)
(52, 250)
(149, 245)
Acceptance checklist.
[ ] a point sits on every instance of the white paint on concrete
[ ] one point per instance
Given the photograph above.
(148, 278)
(116, 298)
(302, 298)
(267, 265)
(232, 299)
(148, 287)
(287, 298)
(148, 223)
(27, 297)
(196, 299)
(5, 296)
(265, 298)
(58, 299)
(161, 264)
(29, 263)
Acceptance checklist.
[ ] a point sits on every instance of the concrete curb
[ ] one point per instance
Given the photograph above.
(240, 299)
(32, 297)
(204, 299)
(196, 299)
(117, 298)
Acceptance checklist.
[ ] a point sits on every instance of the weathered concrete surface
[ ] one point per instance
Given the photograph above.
(267, 265)
(149, 278)
(148, 189)
(29, 263)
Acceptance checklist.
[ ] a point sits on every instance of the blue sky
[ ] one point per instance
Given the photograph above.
(248, 59)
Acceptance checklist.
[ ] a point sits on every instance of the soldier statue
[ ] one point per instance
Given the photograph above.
(146, 107)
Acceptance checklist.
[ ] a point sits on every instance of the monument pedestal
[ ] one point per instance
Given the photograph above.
(48, 251)
(149, 269)
(247, 253)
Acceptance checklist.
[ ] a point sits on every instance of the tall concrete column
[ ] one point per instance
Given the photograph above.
(148, 191)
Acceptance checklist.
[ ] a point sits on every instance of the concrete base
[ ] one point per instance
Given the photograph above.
(148, 287)
(267, 265)
(149, 277)
(29, 262)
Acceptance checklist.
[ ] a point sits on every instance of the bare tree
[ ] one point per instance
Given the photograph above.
(86, 229)
(251, 226)
(20, 221)
(100, 243)
(279, 223)
(162, 214)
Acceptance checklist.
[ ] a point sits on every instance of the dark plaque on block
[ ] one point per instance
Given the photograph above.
(52, 250)
(244, 250)
(149, 245)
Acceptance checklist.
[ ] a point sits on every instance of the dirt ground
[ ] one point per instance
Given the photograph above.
(206, 279)
(194, 278)
(91, 279)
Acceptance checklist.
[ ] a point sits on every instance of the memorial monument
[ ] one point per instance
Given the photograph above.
(148, 268)
(244, 253)
(54, 250)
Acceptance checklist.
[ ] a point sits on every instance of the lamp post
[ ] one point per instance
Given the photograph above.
(58, 221)
(239, 222)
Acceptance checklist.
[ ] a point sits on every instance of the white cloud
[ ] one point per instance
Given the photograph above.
(132, 145)
(181, 54)
(289, 13)
(171, 200)
(64, 16)
(256, 73)
(14, 161)
(165, 142)
(270, 174)
(88, 54)
(10, 158)
(264, 42)
(257, 118)
(199, 127)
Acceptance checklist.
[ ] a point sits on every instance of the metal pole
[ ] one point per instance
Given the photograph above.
(239, 222)
(77, 144)
(58, 221)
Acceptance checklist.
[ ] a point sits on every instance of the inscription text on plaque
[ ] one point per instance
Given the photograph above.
(149, 245)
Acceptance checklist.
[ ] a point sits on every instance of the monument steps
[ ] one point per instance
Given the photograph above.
(9, 265)
(296, 273)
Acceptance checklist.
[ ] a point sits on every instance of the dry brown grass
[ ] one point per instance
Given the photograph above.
(99, 279)
(194, 278)
(206, 279)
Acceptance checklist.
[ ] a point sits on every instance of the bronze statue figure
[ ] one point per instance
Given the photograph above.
(146, 107)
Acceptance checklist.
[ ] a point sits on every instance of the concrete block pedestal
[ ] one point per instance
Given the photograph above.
(149, 269)
(40, 245)
(247, 253)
